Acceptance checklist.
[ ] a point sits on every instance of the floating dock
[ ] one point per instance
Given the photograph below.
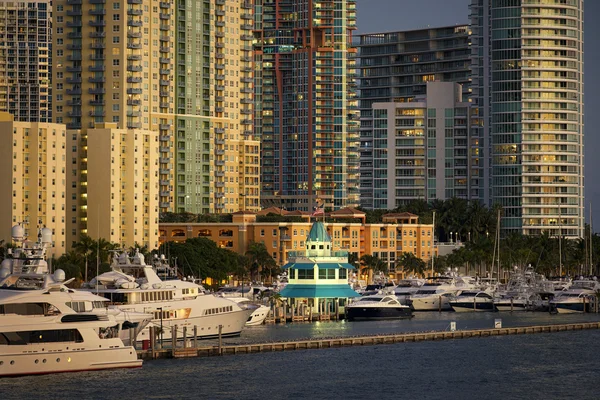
(183, 351)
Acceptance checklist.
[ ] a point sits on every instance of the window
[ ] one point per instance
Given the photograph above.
(343, 273)
(306, 274)
(326, 273)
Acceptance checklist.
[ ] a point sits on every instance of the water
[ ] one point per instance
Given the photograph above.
(541, 366)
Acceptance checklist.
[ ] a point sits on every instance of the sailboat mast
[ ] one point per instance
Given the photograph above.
(433, 243)
(498, 243)
(590, 245)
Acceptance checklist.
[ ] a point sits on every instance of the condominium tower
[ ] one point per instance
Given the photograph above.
(32, 161)
(164, 80)
(528, 88)
(395, 67)
(25, 47)
(306, 107)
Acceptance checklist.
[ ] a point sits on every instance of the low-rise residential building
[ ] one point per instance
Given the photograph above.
(397, 233)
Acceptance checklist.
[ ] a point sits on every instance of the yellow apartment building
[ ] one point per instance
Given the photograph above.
(33, 178)
(397, 233)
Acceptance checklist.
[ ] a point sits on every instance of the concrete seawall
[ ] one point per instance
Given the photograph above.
(326, 343)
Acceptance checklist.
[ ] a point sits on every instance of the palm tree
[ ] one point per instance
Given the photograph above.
(411, 264)
(372, 265)
(260, 259)
(85, 247)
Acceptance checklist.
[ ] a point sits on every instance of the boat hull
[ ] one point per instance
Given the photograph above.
(207, 326)
(258, 316)
(430, 303)
(470, 306)
(570, 308)
(19, 360)
(377, 313)
(507, 306)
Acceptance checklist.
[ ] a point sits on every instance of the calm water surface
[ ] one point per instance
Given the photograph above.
(542, 366)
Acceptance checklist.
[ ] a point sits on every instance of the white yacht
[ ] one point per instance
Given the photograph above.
(42, 333)
(578, 298)
(25, 268)
(407, 288)
(133, 285)
(473, 300)
(434, 295)
(259, 311)
(377, 306)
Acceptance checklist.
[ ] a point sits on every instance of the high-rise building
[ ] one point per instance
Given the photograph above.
(395, 67)
(305, 103)
(113, 67)
(32, 157)
(421, 148)
(528, 90)
(217, 153)
(25, 54)
(176, 74)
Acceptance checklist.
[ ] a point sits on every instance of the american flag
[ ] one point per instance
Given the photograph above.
(318, 211)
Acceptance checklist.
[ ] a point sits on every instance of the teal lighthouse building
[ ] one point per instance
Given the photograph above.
(318, 277)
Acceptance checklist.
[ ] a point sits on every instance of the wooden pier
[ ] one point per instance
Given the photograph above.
(184, 350)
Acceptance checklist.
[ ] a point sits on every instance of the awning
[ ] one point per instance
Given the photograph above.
(336, 265)
(318, 291)
(299, 265)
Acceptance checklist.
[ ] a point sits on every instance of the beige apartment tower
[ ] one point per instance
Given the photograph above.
(32, 159)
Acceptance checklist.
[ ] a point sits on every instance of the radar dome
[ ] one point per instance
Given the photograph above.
(59, 275)
(46, 235)
(17, 232)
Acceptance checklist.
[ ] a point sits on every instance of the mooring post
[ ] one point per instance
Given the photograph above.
(173, 337)
(152, 340)
(511, 304)
(440, 304)
(184, 337)
(220, 340)
(132, 338)
(195, 336)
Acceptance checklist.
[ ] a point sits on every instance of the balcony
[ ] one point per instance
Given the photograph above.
(97, 22)
(163, 4)
(134, 79)
(96, 68)
(134, 45)
(74, 57)
(73, 102)
(164, 127)
(134, 102)
(134, 113)
(72, 92)
(164, 16)
(134, 22)
(97, 113)
(95, 11)
(134, 91)
(134, 68)
(97, 103)
(97, 57)
(74, 35)
(97, 45)
(74, 13)
(134, 125)
(134, 57)
(96, 90)
(74, 24)
(134, 1)
(94, 79)
(97, 34)
(134, 11)
(133, 34)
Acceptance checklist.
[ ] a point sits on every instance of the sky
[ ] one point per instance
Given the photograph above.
(399, 15)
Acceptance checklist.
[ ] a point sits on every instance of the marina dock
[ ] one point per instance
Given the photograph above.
(182, 350)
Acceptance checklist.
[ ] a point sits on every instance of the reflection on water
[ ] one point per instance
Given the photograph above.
(541, 366)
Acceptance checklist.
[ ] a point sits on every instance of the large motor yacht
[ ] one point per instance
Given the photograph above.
(578, 298)
(134, 285)
(473, 300)
(40, 333)
(435, 294)
(377, 306)
(25, 268)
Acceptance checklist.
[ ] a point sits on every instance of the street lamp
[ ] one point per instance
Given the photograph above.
(450, 237)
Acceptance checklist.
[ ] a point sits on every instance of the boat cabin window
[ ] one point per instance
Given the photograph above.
(218, 310)
(80, 306)
(425, 292)
(29, 309)
(108, 332)
(119, 298)
(49, 336)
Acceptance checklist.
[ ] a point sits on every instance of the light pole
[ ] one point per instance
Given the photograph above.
(451, 237)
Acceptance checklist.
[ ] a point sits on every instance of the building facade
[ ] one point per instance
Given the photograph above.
(177, 74)
(397, 233)
(395, 67)
(34, 177)
(217, 168)
(25, 60)
(423, 150)
(305, 99)
(528, 85)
